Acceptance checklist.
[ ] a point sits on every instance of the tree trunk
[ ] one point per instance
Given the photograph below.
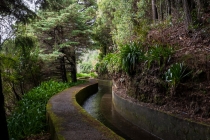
(199, 7)
(161, 14)
(3, 121)
(16, 94)
(169, 7)
(21, 87)
(154, 11)
(73, 67)
(188, 18)
(63, 69)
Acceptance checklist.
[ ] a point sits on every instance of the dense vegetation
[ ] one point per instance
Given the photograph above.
(155, 51)
(29, 116)
(40, 41)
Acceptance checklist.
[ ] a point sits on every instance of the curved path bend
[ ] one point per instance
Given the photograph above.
(69, 121)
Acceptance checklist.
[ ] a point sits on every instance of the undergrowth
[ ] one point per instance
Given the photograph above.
(30, 115)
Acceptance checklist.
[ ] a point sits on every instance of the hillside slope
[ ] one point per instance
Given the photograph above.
(192, 99)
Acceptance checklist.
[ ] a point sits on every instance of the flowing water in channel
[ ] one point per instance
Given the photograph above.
(100, 107)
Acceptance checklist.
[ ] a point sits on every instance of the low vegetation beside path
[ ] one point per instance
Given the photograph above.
(29, 118)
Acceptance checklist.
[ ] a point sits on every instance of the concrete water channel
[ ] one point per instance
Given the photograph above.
(100, 107)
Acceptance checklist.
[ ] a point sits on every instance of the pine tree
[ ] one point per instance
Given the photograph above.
(64, 31)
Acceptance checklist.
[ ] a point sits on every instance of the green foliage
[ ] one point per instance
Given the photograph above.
(24, 69)
(7, 63)
(88, 61)
(102, 39)
(110, 63)
(131, 54)
(127, 59)
(174, 75)
(108, 18)
(101, 68)
(24, 45)
(125, 20)
(56, 4)
(30, 114)
(143, 7)
(86, 67)
(159, 54)
(65, 27)
(84, 75)
(141, 30)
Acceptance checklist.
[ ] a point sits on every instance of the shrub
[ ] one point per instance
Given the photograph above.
(130, 55)
(86, 67)
(101, 68)
(30, 114)
(174, 75)
(159, 54)
(112, 61)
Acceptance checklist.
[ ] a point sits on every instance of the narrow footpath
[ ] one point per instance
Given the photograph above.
(69, 121)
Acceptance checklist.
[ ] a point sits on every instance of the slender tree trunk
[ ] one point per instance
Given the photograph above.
(63, 69)
(70, 57)
(199, 7)
(154, 11)
(161, 15)
(3, 121)
(16, 94)
(33, 77)
(188, 18)
(21, 87)
(104, 50)
(73, 67)
(169, 7)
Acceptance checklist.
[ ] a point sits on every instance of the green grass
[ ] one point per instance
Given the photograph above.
(83, 75)
(30, 115)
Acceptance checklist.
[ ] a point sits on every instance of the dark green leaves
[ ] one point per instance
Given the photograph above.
(131, 54)
(175, 74)
(30, 115)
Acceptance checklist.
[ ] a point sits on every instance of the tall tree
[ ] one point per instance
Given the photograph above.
(169, 7)
(188, 17)
(3, 121)
(65, 31)
(154, 11)
(19, 11)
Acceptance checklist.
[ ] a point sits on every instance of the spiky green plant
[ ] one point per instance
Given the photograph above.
(85, 67)
(159, 54)
(130, 55)
(174, 75)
